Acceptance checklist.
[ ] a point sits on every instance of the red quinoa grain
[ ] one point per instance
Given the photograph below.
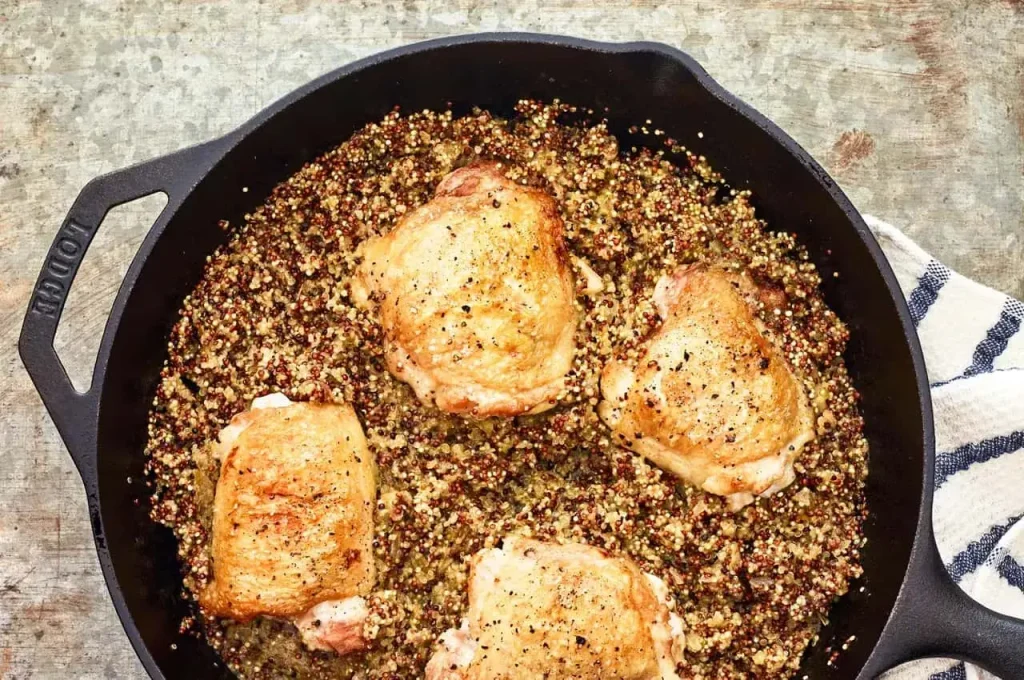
(272, 313)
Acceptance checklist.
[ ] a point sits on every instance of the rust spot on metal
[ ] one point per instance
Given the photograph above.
(57, 608)
(851, 148)
(6, 661)
(943, 77)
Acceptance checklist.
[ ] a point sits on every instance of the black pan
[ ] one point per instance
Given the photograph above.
(909, 607)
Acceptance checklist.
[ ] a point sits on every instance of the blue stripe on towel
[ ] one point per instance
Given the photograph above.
(957, 672)
(948, 463)
(1015, 307)
(943, 383)
(1011, 570)
(927, 291)
(996, 340)
(974, 555)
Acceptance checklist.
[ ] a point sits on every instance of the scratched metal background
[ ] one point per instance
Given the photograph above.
(916, 107)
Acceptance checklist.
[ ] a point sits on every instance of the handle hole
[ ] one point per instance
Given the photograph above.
(92, 294)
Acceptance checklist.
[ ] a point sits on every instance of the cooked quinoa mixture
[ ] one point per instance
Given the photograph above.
(272, 313)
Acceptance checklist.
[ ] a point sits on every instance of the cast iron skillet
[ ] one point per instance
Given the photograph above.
(909, 607)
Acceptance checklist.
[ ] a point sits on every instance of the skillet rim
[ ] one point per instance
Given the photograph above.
(217, 149)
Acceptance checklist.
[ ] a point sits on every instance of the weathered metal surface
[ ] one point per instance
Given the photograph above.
(916, 107)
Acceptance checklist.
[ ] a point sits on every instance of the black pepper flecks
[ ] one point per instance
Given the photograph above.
(272, 313)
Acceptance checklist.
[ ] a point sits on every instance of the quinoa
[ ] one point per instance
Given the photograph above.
(272, 313)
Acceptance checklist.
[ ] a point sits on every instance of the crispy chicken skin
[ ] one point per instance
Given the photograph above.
(293, 511)
(710, 398)
(475, 293)
(560, 612)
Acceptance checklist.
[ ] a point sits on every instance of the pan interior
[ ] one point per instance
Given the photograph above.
(634, 85)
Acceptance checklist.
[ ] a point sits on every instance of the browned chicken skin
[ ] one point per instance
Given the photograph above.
(560, 612)
(710, 397)
(293, 520)
(475, 293)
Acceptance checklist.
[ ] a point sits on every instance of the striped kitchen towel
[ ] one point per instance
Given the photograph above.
(974, 350)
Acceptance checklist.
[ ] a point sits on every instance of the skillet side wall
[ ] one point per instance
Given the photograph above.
(636, 84)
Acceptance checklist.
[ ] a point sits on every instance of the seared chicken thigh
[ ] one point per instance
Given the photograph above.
(560, 612)
(710, 397)
(475, 293)
(293, 520)
(335, 625)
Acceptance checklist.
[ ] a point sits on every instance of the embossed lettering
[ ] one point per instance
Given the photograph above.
(75, 226)
(51, 289)
(69, 247)
(41, 306)
(60, 264)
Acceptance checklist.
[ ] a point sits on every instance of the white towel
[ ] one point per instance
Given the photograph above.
(974, 351)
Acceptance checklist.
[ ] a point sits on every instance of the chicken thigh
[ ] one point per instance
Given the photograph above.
(475, 293)
(710, 397)
(560, 612)
(293, 520)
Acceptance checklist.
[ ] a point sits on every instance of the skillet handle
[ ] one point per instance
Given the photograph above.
(935, 618)
(76, 413)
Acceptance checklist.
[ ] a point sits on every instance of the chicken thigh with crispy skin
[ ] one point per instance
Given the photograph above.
(293, 520)
(475, 293)
(560, 612)
(710, 397)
